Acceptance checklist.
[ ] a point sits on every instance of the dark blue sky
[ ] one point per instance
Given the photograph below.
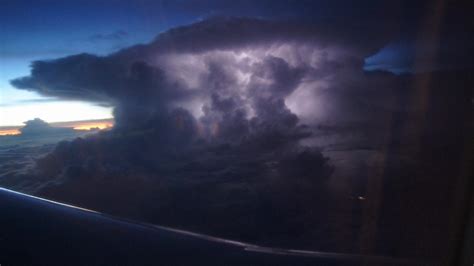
(45, 28)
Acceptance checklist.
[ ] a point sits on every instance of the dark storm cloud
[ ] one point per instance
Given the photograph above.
(246, 83)
(235, 150)
(228, 33)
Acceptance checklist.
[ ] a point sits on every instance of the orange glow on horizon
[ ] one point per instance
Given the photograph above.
(100, 124)
(8, 132)
(89, 125)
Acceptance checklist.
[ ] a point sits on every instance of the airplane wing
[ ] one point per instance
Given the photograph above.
(36, 231)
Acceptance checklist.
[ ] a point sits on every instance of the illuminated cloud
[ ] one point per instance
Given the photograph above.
(243, 62)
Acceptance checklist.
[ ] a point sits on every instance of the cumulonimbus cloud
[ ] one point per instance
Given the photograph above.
(219, 118)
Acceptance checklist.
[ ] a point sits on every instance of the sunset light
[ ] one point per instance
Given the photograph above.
(7, 132)
(83, 125)
(87, 125)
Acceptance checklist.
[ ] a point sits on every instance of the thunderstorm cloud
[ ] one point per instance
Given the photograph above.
(227, 119)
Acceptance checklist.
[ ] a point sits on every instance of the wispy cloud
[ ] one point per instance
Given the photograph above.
(113, 36)
(28, 101)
